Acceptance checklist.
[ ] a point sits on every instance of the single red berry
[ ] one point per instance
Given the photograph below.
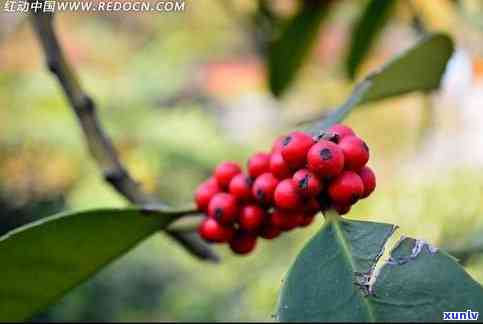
(225, 171)
(278, 218)
(307, 183)
(286, 195)
(223, 208)
(307, 219)
(346, 188)
(294, 219)
(269, 231)
(342, 209)
(286, 220)
(278, 144)
(243, 242)
(341, 130)
(368, 179)
(251, 218)
(325, 159)
(295, 148)
(278, 167)
(241, 187)
(263, 188)
(212, 231)
(356, 152)
(259, 163)
(311, 205)
(205, 191)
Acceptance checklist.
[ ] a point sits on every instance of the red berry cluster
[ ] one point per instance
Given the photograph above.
(286, 188)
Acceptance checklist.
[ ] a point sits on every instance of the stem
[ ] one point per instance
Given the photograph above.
(99, 144)
(331, 215)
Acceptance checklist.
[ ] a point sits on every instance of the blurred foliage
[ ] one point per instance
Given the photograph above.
(365, 31)
(130, 63)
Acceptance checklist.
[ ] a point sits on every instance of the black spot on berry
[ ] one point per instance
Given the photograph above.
(260, 195)
(304, 183)
(325, 154)
(287, 140)
(365, 147)
(218, 214)
(329, 136)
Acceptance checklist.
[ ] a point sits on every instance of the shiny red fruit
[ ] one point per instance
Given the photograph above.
(223, 208)
(356, 152)
(269, 231)
(368, 179)
(241, 187)
(278, 144)
(346, 188)
(278, 167)
(325, 159)
(259, 163)
(311, 205)
(225, 171)
(341, 130)
(342, 209)
(263, 188)
(286, 195)
(295, 148)
(243, 242)
(205, 191)
(307, 219)
(211, 231)
(307, 183)
(251, 218)
(286, 220)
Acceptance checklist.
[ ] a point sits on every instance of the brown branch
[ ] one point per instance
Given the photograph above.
(99, 144)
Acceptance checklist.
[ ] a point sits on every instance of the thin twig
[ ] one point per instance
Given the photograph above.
(99, 144)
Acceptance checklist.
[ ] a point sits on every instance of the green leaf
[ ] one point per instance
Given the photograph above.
(287, 53)
(43, 260)
(365, 32)
(419, 68)
(333, 279)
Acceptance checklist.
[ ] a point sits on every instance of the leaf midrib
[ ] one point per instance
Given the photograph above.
(346, 250)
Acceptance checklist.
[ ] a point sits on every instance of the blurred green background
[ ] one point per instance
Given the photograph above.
(179, 92)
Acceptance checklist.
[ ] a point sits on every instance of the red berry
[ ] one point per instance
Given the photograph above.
(356, 152)
(368, 179)
(243, 242)
(212, 231)
(251, 218)
(223, 207)
(269, 231)
(342, 209)
(258, 164)
(278, 144)
(307, 219)
(307, 183)
(225, 171)
(278, 167)
(295, 148)
(286, 195)
(264, 187)
(346, 188)
(325, 159)
(311, 205)
(205, 191)
(241, 187)
(278, 218)
(286, 220)
(341, 130)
